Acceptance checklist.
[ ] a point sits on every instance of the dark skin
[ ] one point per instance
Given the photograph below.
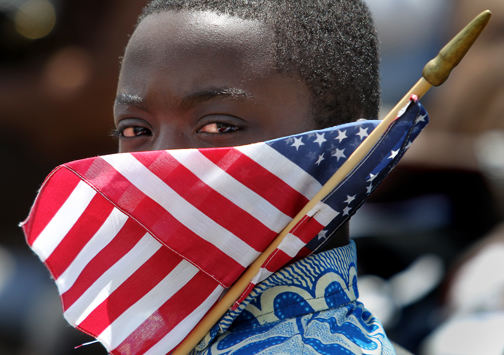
(200, 79)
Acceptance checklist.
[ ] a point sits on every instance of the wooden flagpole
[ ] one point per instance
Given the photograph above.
(434, 73)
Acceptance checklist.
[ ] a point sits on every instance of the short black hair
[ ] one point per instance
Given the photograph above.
(330, 44)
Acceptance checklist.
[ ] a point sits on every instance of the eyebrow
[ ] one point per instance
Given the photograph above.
(189, 100)
(128, 99)
(211, 93)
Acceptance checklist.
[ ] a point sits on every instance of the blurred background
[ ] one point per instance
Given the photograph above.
(430, 241)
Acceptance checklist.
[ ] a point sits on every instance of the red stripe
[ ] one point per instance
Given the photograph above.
(277, 260)
(211, 203)
(122, 243)
(182, 240)
(162, 225)
(79, 235)
(53, 194)
(303, 253)
(101, 175)
(130, 291)
(176, 309)
(84, 164)
(258, 179)
(307, 228)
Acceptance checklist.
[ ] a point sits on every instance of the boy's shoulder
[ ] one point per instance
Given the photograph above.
(309, 306)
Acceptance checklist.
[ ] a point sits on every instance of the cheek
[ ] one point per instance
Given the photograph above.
(288, 106)
(125, 146)
(291, 120)
(121, 148)
(279, 126)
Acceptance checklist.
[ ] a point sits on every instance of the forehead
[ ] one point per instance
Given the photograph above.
(185, 67)
(202, 41)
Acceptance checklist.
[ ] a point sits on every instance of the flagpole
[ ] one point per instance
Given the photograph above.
(434, 73)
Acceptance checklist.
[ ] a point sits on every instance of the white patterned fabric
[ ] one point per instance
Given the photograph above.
(309, 307)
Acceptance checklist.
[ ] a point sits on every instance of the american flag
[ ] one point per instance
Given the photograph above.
(141, 245)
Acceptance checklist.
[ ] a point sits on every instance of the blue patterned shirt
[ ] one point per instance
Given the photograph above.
(309, 307)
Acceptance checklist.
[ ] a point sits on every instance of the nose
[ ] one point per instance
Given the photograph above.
(170, 137)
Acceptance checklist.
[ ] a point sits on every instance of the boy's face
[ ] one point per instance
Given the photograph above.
(198, 79)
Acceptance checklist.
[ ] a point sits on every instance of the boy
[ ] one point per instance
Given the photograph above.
(225, 73)
(194, 77)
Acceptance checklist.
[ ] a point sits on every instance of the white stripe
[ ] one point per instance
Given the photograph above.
(67, 215)
(219, 180)
(261, 275)
(111, 279)
(323, 213)
(283, 168)
(291, 245)
(180, 331)
(108, 230)
(182, 210)
(134, 316)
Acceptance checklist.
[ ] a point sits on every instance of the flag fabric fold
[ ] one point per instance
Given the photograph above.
(141, 245)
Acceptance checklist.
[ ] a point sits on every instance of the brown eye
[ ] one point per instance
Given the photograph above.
(135, 131)
(218, 128)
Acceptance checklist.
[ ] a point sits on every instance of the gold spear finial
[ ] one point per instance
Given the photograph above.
(437, 70)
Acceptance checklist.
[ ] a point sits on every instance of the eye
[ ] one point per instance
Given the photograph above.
(218, 128)
(135, 131)
(132, 131)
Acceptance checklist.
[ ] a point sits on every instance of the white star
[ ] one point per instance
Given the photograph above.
(341, 135)
(349, 199)
(393, 154)
(339, 153)
(420, 119)
(371, 177)
(363, 133)
(320, 158)
(320, 139)
(298, 142)
(322, 234)
(346, 210)
(369, 188)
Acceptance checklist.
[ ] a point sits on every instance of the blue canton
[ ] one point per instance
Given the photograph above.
(309, 307)
(339, 143)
